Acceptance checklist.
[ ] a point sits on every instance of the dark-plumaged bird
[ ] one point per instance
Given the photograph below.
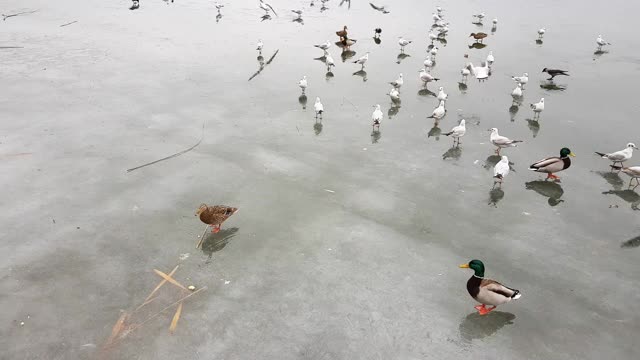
(342, 33)
(215, 215)
(478, 36)
(554, 72)
(379, 8)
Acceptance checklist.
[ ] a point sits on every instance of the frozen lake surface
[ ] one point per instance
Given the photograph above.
(347, 245)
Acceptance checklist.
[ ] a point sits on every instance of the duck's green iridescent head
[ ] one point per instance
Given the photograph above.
(476, 265)
(564, 152)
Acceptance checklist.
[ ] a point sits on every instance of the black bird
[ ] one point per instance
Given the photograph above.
(377, 31)
(554, 72)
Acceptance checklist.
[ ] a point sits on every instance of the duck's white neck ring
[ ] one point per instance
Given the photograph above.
(479, 277)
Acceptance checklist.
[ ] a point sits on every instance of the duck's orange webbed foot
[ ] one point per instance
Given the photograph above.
(215, 229)
(484, 310)
(552, 177)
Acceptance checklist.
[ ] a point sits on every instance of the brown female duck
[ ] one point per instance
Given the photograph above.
(215, 215)
(342, 33)
(478, 36)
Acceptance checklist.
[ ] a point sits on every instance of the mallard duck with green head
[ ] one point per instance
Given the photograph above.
(487, 291)
(553, 164)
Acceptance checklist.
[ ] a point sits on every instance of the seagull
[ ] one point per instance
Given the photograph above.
(501, 170)
(428, 63)
(394, 94)
(219, 6)
(443, 31)
(267, 7)
(434, 51)
(259, 45)
(377, 32)
(480, 72)
(537, 108)
(490, 58)
(402, 42)
(398, 82)
(621, 156)
(329, 61)
(633, 171)
(298, 12)
(441, 94)
(379, 8)
(432, 37)
(324, 46)
(501, 141)
(377, 117)
(554, 72)
(521, 79)
(426, 77)
(480, 16)
(600, 41)
(457, 132)
(362, 60)
(517, 92)
(495, 21)
(541, 32)
(465, 73)
(318, 108)
(439, 112)
(303, 83)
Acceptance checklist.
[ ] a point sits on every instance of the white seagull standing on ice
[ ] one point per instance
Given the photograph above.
(621, 156)
(480, 72)
(303, 83)
(521, 79)
(501, 170)
(457, 132)
(501, 142)
(439, 112)
(490, 58)
(377, 117)
(517, 92)
(318, 108)
(441, 94)
(398, 82)
(394, 94)
(537, 108)
(324, 46)
(465, 73)
(362, 60)
(329, 61)
(600, 41)
(403, 42)
(428, 63)
(541, 32)
(426, 77)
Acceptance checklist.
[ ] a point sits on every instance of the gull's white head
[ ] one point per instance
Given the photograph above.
(317, 100)
(377, 106)
(462, 122)
(632, 145)
(520, 85)
(505, 159)
(542, 100)
(400, 76)
(495, 21)
(494, 131)
(526, 74)
(441, 88)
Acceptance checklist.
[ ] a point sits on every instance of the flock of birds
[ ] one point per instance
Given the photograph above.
(485, 291)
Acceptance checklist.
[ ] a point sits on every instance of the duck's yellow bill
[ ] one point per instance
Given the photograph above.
(572, 154)
(464, 266)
